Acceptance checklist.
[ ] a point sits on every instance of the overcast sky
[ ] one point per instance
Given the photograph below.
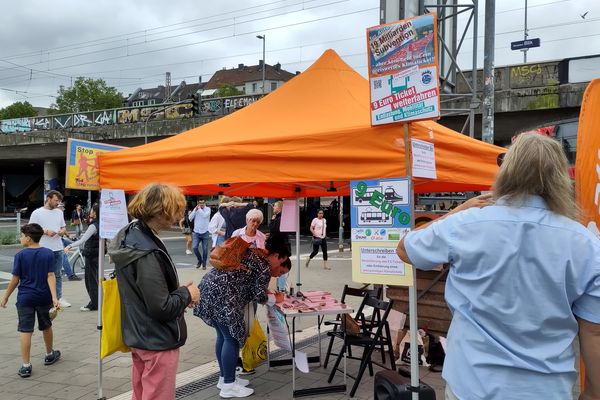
(132, 44)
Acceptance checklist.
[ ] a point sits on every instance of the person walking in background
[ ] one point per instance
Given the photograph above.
(52, 221)
(318, 228)
(186, 228)
(250, 232)
(275, 229)
(66, 265)
(91, 242)
(153, 301)
(33, 271)
(217, 227)
(225, 296)
(200, 215)
(523, 281)
(77, 220)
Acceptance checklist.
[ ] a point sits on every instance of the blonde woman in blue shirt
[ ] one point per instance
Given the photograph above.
(524, 282)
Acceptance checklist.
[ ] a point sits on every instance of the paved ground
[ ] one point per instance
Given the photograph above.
(75, 376)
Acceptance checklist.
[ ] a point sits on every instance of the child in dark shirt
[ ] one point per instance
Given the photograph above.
(33, 272)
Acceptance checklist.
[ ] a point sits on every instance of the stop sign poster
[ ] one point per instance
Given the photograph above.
(403, 71)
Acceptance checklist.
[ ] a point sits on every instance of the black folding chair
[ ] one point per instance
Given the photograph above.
(336, 333)
(371, 337)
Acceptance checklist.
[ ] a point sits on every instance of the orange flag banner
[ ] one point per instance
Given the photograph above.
(587, 166)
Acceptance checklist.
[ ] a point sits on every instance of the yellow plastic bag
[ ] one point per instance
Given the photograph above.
(254, 351)
(112, 339)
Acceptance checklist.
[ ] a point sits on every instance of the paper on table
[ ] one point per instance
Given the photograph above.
(301, 360)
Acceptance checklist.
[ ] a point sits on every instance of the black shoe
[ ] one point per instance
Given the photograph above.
(74, 278)
(204, 267)
(52, 358)
(25, 372)
(198, 266)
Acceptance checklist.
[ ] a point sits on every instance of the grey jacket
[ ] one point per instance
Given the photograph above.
(152, 302)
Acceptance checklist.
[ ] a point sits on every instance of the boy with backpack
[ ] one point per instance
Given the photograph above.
(33, 272)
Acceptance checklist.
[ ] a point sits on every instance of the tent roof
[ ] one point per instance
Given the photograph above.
(307, 138)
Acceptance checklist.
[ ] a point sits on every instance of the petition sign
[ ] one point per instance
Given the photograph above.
(403, 72)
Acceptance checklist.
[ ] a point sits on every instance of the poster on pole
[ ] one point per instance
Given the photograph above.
(423, 159)
(380, 214)
(113, 212)
(82, 163)
(403, 71)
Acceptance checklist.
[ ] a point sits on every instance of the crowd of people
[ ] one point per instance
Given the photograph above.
(523, 281)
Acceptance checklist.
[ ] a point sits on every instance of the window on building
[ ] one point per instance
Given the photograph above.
(151, 102)
(273, 86)
(138, 103)
(254, 88)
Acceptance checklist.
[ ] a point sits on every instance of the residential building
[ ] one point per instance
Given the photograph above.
(148, 97)
(249, 79)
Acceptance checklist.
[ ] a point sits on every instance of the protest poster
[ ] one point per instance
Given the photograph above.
(82, 163)
(403, 72)
(113, 212)
(380, 216)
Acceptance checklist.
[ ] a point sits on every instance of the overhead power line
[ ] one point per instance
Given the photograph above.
(123, 36)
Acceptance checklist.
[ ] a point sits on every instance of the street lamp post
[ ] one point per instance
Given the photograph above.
(264, 39)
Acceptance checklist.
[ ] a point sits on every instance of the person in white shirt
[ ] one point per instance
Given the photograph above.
(52, 221)
(318, 228)
(201, 217)
(216, 227)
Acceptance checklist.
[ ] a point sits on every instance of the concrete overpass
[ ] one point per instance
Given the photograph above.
(529, 95)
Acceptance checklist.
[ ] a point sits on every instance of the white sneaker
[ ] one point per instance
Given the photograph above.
(84, 308)
(238, 381)
(63, 303)
(188, 252)
(230, 390)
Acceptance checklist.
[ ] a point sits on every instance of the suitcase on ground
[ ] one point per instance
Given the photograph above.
(389, 385)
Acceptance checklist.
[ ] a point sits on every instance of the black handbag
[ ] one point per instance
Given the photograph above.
(317, 241)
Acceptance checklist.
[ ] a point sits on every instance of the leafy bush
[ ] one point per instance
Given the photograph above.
(8, 238)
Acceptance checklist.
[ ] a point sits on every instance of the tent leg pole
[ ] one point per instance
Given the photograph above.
(412, 290)
(341, 219)
(99, 326)
(298, 261)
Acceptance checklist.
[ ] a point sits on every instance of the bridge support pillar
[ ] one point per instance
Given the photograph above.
(50, 176)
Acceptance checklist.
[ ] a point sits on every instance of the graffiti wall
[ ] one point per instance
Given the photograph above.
(15, 125)
(130, 115)
(224, 106)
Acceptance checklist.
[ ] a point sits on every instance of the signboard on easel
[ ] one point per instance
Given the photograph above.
(380, 215)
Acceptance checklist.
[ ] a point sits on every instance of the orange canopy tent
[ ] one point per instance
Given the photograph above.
(308, 138)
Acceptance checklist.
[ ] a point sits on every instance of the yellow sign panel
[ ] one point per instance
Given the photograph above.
(377, 262)
(82, 163)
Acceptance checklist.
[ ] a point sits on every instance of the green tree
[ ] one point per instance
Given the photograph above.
(86, 94)
(227, 90)
(18, 110)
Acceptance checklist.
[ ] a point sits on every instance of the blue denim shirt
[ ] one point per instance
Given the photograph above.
(517, 278)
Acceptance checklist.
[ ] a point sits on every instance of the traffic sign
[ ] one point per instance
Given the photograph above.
(525, 44)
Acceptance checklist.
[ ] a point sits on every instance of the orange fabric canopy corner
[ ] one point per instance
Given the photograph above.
(310, 137)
